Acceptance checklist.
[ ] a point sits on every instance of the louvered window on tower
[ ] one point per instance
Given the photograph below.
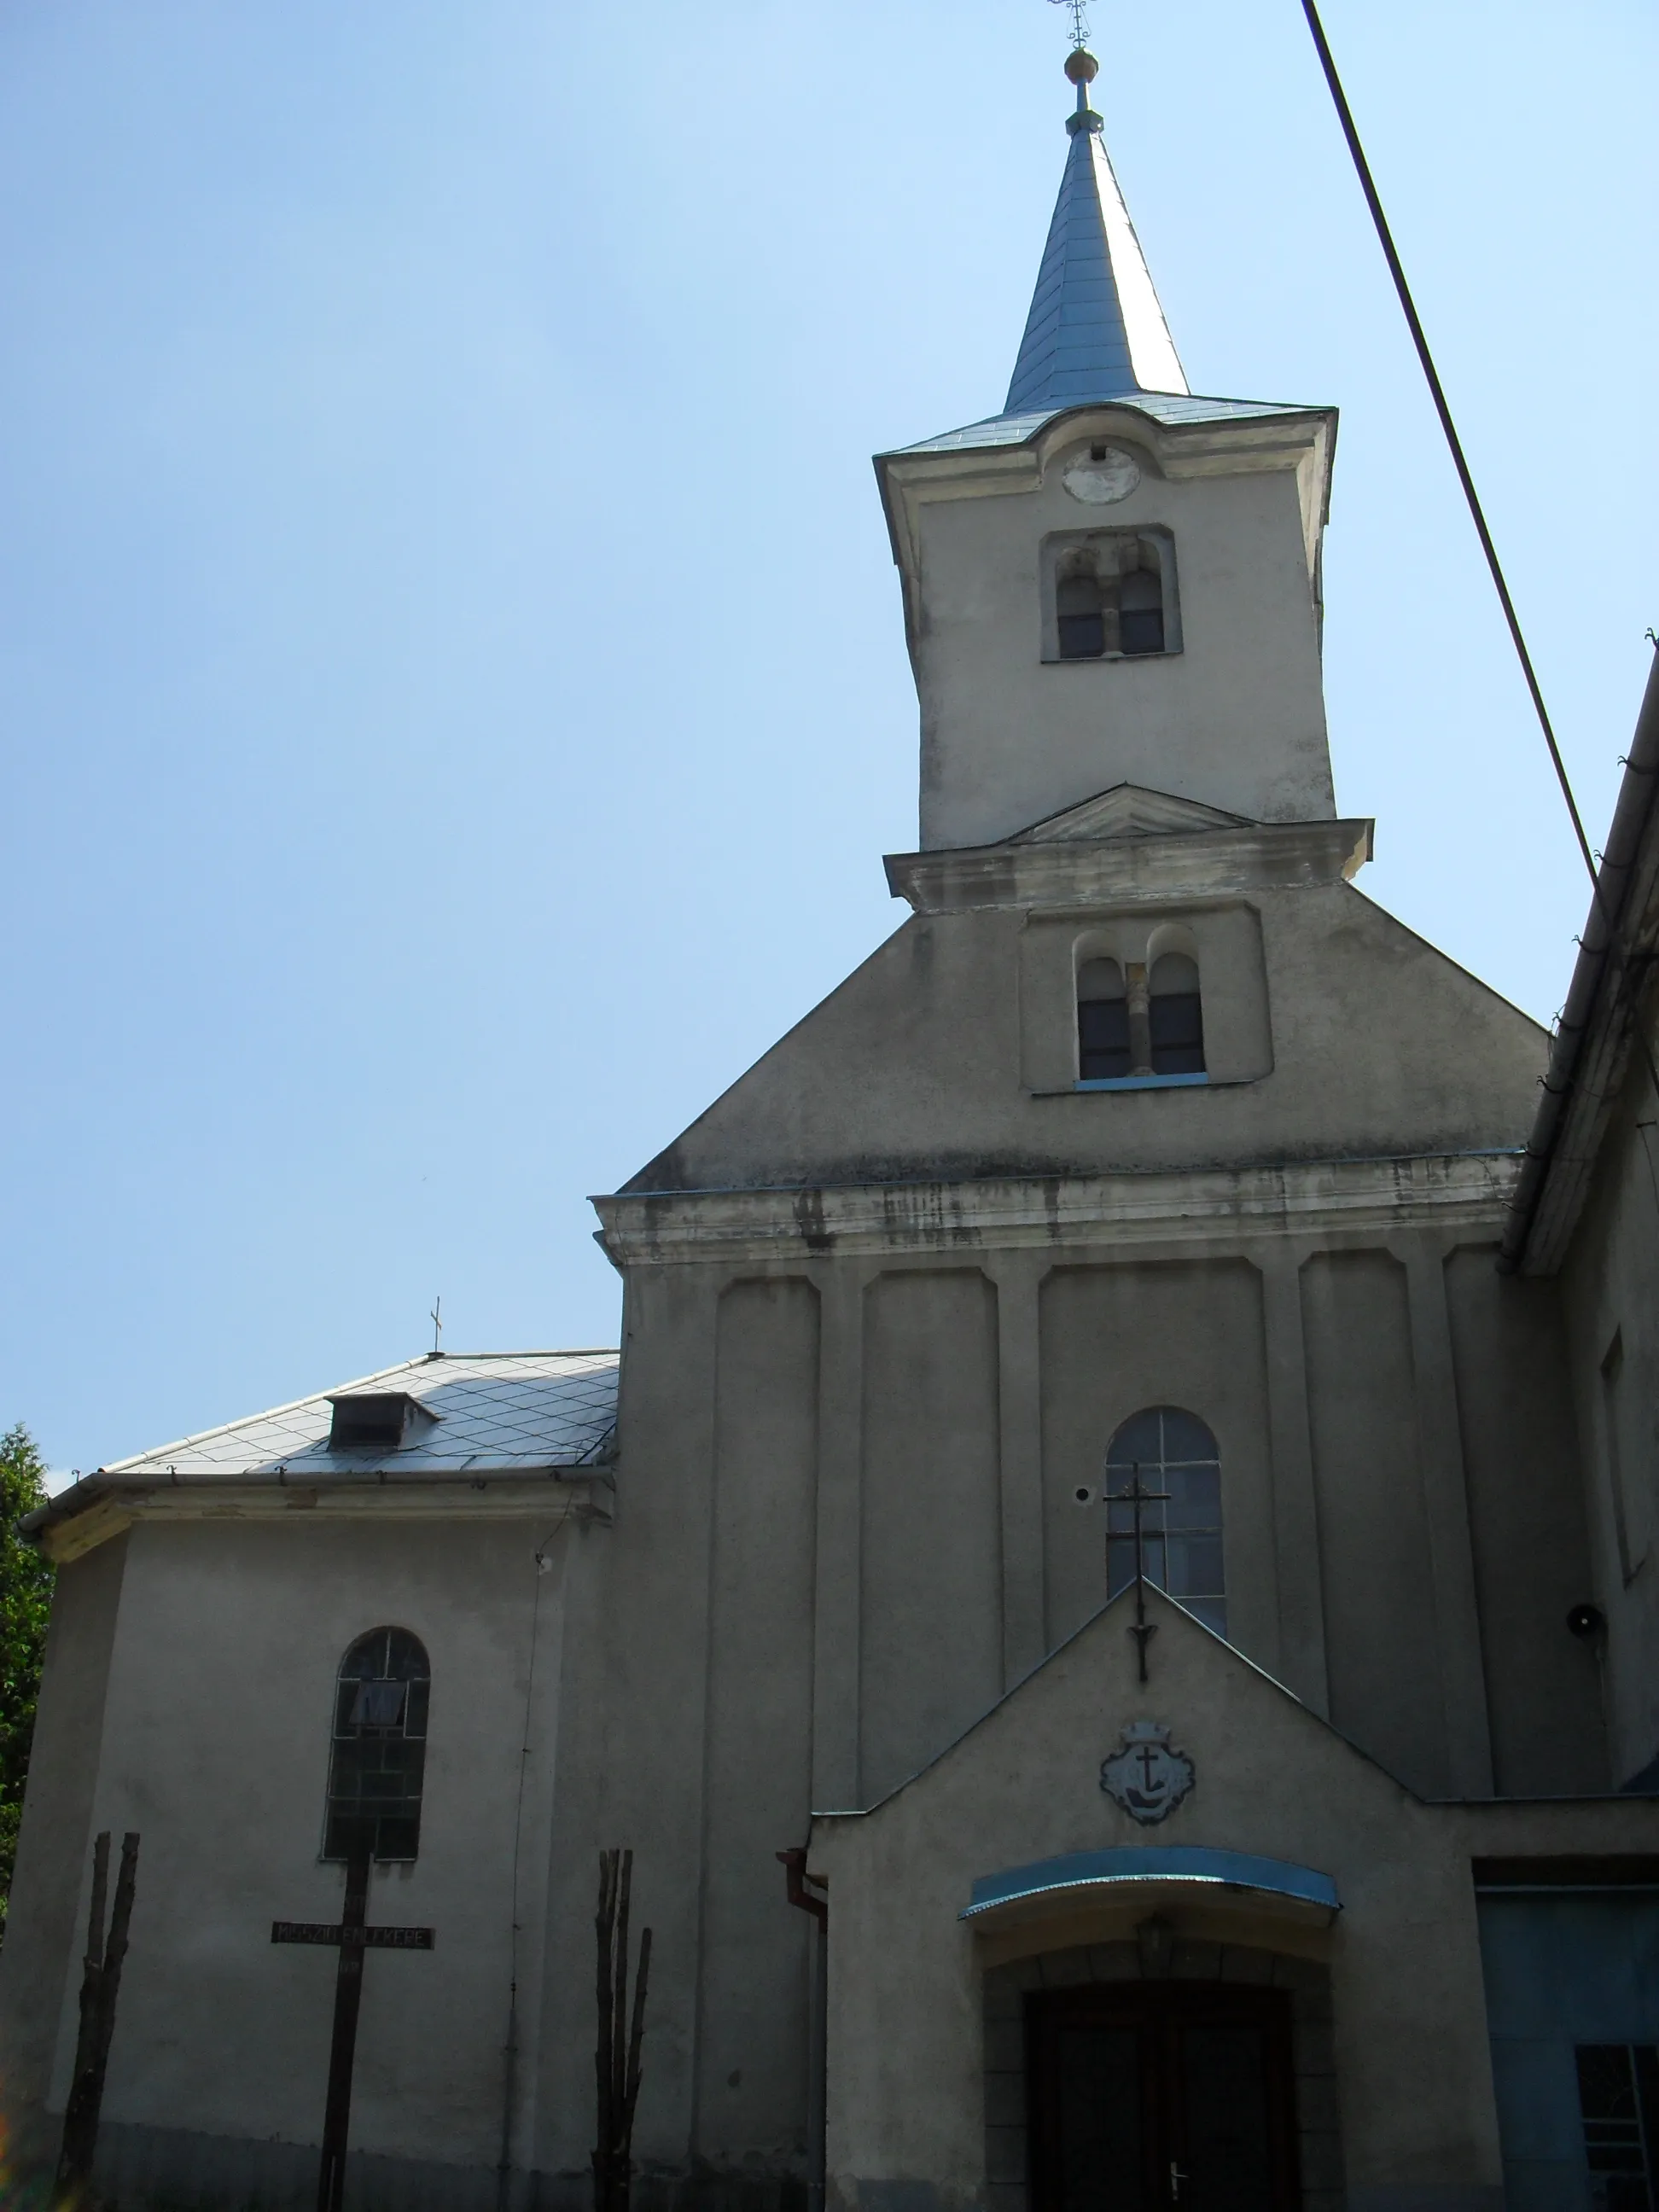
(1175, 1017)
(1140, 611)
(1112, 596)
(1103, 1022)
(1082, 618)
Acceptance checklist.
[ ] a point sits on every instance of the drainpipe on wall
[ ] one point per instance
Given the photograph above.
(817, 2018)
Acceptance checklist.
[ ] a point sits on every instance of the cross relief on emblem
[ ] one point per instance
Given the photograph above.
(1148, 1777)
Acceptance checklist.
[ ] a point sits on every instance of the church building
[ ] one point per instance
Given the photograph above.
(1109, 1589)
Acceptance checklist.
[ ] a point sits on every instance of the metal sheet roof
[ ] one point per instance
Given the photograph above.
(1169, 1863)
(523, 1413)
(1096, 329)
(1172, 409)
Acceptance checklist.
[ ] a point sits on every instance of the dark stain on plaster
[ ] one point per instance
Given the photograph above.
(670, 1175)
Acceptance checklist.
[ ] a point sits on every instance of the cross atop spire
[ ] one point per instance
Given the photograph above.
(1096, 330)
(1079, 20)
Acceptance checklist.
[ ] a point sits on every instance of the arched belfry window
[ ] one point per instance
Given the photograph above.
(1113, 595)
(1080, 611)
(1175, 1017)
(1140, 611)
(377, 1759)
(1103, 1022)
(1174, 1453)
(1137, 1024)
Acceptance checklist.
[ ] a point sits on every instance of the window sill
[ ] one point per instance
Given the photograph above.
(1140, 1083)
(1095, 660)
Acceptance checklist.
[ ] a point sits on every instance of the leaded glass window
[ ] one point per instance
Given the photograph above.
(1173, 1453)
(377, 1759)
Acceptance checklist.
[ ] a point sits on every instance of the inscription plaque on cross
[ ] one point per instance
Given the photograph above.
(1135, 1496)
(351, 1936)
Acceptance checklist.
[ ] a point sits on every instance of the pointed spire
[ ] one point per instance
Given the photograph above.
(1096, 330)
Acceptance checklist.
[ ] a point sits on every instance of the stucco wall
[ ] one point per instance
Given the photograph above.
(906, 2050)
(1532, 1553)
(907, 2025)
(931, 1579)
(1610, 1294)
(214, 1748)
(1235, 719)
(870, 1462)
(43, 1928)
(1380, 1047)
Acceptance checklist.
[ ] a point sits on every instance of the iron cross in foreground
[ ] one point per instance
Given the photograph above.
(351, 1936)
(1136, 1496)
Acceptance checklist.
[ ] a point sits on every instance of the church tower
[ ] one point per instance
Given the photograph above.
(1112, 581)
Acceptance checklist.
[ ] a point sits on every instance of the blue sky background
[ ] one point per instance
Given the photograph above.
(451, 672)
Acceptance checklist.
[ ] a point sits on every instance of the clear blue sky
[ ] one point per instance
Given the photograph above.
(453, 693)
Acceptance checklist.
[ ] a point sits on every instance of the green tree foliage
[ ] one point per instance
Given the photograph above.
(25, 1601)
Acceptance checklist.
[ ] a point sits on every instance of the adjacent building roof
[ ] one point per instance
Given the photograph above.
(1606, 1000)
(503, 1412)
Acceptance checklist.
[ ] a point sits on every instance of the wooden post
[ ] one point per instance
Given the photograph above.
(101, 1985)
(343, 2050)
(616, 2047)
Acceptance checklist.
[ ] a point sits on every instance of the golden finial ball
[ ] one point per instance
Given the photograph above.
(1081, 66)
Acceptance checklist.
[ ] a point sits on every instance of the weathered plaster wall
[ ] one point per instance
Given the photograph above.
(907, 2034)
(1527, 1517)
(1404, 1961)
(752, 1991)
(1610, 1297)
(1117, 1338)
(214, 1748)
(1380, 1047)
(1381, 1649)
(44, 1926)
(870, 1459)
(1237, 719)
(931, 1581)
(844, 1524)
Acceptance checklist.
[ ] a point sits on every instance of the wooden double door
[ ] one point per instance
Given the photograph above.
(1161, 2097)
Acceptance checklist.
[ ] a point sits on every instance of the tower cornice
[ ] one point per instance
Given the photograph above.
(1237, 438)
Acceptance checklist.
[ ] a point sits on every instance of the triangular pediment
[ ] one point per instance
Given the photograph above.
(1129, 810)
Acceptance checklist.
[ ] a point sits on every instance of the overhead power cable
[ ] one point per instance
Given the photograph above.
(1386, 237)
(1616, 952)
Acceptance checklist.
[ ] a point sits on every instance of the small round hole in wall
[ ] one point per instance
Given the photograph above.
(1082, 1496)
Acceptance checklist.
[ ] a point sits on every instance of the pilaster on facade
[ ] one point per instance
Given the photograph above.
(1296, 1508)
(1019, 1280)
(1446, 1509)
(837, 1571)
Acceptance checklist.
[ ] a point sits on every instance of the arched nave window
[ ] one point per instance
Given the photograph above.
(1110, 595)
(1175, 1453)
(377, 1759)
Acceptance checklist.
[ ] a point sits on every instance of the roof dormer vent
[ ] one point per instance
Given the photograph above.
(376, 1420)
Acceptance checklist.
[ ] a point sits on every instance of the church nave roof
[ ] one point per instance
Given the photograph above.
(522, 1413)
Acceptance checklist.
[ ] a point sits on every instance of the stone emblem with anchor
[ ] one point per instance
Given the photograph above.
(1148, 1777)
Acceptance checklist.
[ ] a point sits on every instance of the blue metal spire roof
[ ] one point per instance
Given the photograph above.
(1096, 330)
